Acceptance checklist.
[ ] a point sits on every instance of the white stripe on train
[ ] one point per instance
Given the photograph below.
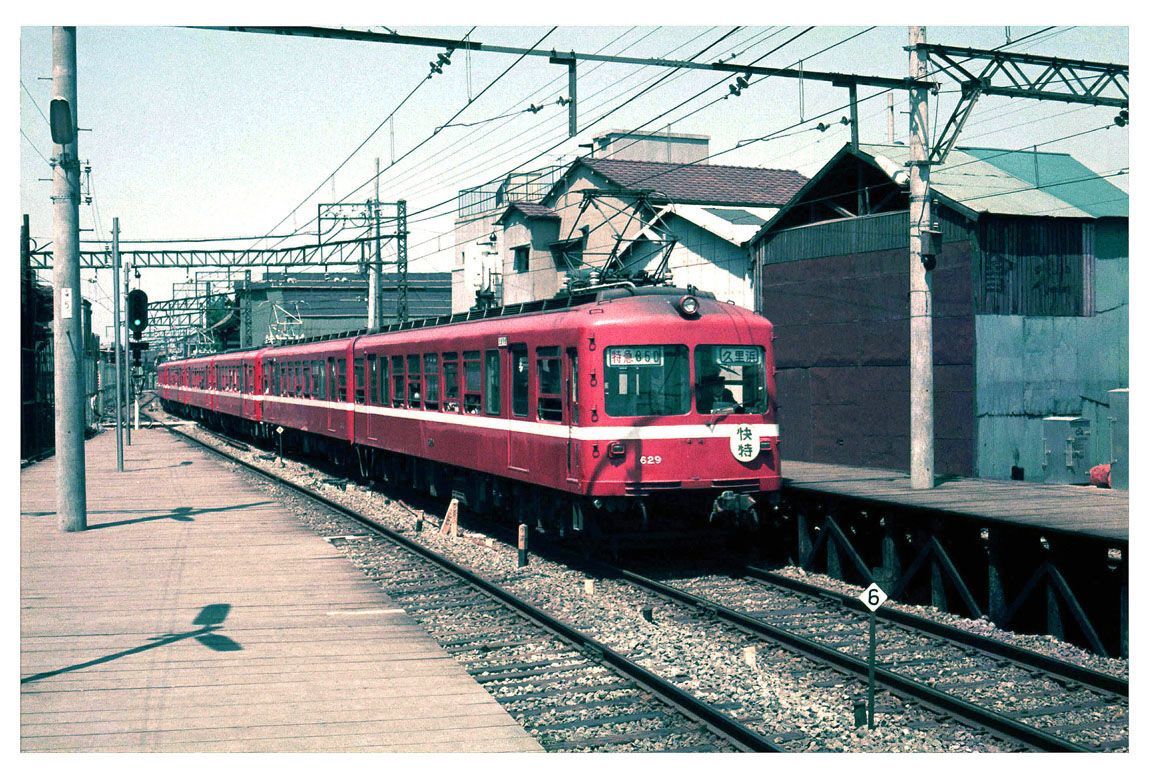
(551, 430)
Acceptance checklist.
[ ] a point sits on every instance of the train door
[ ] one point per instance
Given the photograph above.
(248, 408)
(572, 393)
(333, 407)
(519, 440)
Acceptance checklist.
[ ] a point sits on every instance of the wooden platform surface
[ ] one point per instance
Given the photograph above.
(197, 614)
(1081, 510)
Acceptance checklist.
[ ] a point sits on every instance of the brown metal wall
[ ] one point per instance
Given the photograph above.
(842, 349)
(1035, 267)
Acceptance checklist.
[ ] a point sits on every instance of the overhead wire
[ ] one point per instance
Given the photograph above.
(356, 150)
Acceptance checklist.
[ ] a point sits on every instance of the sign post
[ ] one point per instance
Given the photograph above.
(872, 597)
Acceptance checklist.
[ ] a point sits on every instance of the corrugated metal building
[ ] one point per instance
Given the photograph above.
(290, 305)
(1030, 308)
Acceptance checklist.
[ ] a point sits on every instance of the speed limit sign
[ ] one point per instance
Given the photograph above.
(873, 597)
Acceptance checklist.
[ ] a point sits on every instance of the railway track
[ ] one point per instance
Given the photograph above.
(570, 691)
(1045, 703)
(947, 672)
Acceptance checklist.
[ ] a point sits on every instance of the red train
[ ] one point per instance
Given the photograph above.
(575, 414)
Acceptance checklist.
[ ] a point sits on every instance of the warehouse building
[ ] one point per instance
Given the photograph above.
(1030, 315)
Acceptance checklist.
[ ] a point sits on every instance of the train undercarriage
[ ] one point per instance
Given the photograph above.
(616, 522)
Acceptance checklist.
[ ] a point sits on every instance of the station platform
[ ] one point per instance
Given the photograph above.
(197, 614)
(1070, 510)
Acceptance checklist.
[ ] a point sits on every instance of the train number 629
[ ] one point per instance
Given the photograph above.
(651, 460)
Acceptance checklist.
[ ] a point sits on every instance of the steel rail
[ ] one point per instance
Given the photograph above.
(1095, 679)
(959, 708)
(670, 694)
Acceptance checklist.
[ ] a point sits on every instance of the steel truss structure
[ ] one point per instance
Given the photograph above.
(343, 253)
(1015, 74)
(1020, 578)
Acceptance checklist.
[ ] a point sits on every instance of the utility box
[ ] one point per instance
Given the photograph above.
(1119, 438)
(1065, 441)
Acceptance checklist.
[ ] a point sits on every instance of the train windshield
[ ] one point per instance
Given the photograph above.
(730, 379)
(647, 380)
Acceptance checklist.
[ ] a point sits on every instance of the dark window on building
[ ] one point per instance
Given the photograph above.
(522, 258)
(492, 383)
(549, 374)
(520, 377)
(568, 253)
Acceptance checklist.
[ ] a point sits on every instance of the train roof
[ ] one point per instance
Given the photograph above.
(568, 302)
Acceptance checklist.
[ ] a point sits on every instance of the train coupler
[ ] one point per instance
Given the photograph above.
(735, 509)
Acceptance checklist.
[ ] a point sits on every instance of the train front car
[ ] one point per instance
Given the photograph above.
(679, 414)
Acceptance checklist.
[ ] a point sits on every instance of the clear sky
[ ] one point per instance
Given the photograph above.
(205, 134)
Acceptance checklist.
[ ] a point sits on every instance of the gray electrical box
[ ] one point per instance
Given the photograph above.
(1119, 438)
(1066, 448)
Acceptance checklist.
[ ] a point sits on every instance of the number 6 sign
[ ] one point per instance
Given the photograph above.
(873, 597)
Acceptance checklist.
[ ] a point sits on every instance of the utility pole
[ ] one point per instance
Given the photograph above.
(921, 345)
(375, 266)
(68, 343)
(116, 327)
(890, 118)
(124, 359)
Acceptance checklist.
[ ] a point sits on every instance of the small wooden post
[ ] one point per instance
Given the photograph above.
(870, 675)
(419, 521)
(522, 545)
(450, 525)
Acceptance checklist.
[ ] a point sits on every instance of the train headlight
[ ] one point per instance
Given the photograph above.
(689, 305)
(616, 450)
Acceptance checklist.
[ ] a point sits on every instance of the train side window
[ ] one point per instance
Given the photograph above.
(520, 376)
(382, 385)
(341, 372)
(372, 378)
(329, 380)
(360, 381)
(431, 382)
(397, 382)
(413, 381)
(549, 374)
(472, 382)
(451, 381)
(492, 384)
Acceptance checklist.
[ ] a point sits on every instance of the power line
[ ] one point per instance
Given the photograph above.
(356, 150)
(33, 145)
(34, 103)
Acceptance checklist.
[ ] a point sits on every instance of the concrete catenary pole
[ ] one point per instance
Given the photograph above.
(119, 356)
(375, 267)
(68, 342)
(921, 345)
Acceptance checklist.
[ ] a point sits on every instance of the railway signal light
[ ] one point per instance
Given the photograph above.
(137, 311)
(138, 347)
